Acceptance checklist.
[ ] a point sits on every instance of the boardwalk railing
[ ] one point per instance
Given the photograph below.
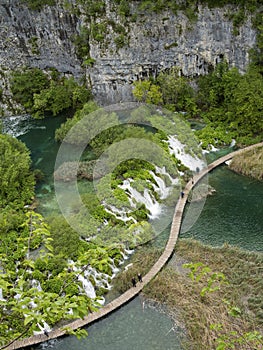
(131, 293)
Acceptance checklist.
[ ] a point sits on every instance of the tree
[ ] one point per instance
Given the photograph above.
(26, 83)
(39, 288)
(16, 181)
(176, 91)
(145, 91)
(247, 104)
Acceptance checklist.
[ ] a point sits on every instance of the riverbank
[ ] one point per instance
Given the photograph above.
(249, 163)
(227, 310)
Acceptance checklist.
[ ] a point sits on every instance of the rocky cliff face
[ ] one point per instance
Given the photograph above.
(35, 39)
(38, 39)
(154, 42)
(158, 42)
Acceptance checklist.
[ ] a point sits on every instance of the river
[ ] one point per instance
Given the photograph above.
(234, 215)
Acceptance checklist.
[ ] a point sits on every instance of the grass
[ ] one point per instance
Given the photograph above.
(141, 261)
(249, 163)
(233, 310)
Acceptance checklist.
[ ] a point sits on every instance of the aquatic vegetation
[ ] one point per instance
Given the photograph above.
(250, 163)
(212, 311)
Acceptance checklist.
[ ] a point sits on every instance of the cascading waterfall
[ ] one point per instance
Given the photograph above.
(189, 160)
(160, 186)
(163, 171)
(1, 295)
(17, 125)
(146, 198)
(119, 214)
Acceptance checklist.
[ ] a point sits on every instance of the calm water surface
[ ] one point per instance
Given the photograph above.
(133, 327)
(234, 214)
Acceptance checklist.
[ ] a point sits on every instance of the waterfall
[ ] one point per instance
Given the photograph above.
(87, 286)
(1, 295)
(189, 160)
(163, 171)
(36, 284)
(118, 213)
(161, 188)
(149, 201)
(17, 125)
(43, 327)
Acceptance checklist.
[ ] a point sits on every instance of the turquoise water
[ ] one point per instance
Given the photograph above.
(133, 327)
(234, 214)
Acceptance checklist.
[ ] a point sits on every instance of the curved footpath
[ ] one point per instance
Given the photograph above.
(132, 292)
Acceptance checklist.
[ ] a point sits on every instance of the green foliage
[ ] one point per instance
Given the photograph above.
(37, 5)
(66, 242)
(233, 102)
(233, 339)
(98, 31)
(93, 8)
(40, 94)
(230, 103)
(145, 91)
(62, 96)
(16, 181)
(79, 333)
(81, 42)
(198, 271)
(38, 285)
(176, 91)
(26, 83)
(124, 8)
(46, 288)
(211, 135)
(120, 41)
(62, 131)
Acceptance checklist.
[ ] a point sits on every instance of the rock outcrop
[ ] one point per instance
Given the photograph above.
(153, 42)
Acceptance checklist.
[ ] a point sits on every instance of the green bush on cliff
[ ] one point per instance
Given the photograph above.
(27, 82)
(43, 94)
(38, 4)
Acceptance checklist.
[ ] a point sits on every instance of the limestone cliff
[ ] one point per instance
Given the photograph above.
(152, 42)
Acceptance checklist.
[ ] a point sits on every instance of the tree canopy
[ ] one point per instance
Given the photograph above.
(16, 180)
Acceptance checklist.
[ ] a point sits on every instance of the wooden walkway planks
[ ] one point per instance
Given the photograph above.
(132, 292)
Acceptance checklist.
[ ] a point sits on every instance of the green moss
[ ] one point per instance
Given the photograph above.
(37, 5)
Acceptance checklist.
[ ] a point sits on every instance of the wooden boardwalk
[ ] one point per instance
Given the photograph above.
(132, 292)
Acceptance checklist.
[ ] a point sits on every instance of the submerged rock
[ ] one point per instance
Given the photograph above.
(90, 170)
(200, 192)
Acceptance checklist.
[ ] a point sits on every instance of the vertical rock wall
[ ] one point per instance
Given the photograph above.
(158, 42)
(154, 42)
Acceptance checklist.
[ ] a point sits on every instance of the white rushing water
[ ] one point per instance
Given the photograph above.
(119, 214)
(145, 198)
(178, 149)
(1, 295)
(17, 125)
(162, 185)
